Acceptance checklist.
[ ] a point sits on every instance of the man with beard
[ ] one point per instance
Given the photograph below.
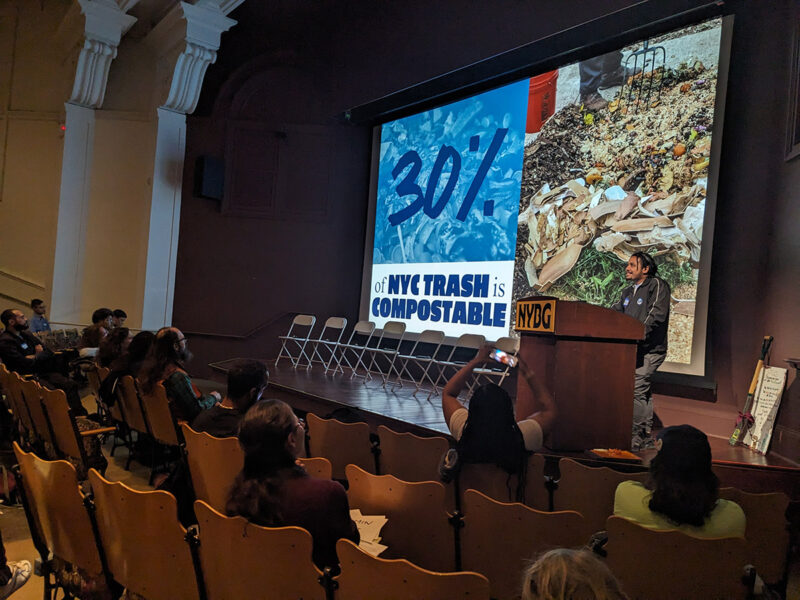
(646, 299)
(165, 365)
(21, 351)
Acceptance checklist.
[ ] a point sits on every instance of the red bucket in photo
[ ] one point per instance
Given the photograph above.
(541, 100)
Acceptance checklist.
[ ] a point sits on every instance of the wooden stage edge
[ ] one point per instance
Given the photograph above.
(399, 409)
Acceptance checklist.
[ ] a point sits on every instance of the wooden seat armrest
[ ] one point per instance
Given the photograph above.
(98, 431)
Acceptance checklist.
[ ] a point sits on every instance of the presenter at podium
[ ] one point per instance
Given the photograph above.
(647, 300)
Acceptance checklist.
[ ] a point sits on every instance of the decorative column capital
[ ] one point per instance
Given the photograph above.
(204, 25)
(105, 25)
(106, 21)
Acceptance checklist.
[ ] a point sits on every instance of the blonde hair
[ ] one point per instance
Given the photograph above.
(565, 574)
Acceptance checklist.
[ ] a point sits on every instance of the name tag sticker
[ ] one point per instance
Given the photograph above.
(24, 345)
(536, 315)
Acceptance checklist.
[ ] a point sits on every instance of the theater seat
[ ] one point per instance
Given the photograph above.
(590, 491)
(243, 560)
(767, 533)
(498, 539)
(664, 565)
(144, 542)
(410, 457)
(365, 576)
(215, 462)
(341, 443)
(418, 527)
(60, 525)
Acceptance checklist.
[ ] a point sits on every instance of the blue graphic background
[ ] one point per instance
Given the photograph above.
(489, 231)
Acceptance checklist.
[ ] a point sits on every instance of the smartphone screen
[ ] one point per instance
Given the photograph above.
(503, 357)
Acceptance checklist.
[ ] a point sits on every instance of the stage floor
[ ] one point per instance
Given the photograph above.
(338, 390)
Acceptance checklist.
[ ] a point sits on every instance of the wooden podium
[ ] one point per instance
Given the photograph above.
(587, 357)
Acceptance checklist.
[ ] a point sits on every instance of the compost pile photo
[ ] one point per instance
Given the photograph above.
(599, 185)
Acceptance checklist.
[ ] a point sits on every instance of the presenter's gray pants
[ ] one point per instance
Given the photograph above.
(642, 400)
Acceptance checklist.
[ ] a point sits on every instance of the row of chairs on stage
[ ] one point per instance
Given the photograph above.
(428, 359)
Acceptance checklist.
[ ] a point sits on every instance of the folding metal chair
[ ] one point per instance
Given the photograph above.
(388, 347)
(328, 342)
(298, 337)
(463, 351)
(420, 357)
(496, 370)
(356, 346)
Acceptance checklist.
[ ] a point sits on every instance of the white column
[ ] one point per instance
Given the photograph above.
(105, 24)
(165, 211)
(203, 26)
(73, 209)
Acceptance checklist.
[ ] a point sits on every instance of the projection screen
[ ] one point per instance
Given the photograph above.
(546, 186)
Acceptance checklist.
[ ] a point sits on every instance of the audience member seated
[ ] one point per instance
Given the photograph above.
(97, 331)
(113, 346)
(39, 322)
(21, 351)
(488, 432)
(273, 490)
(681, 491)
(564, 574)
(165, 364)
(118, 317)
(128, 364)
(247, 381)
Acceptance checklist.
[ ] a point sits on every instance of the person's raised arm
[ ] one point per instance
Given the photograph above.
(456, 384)
(547, 412)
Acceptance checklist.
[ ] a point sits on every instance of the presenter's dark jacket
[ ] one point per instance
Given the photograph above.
(649, 303)
(16, 351)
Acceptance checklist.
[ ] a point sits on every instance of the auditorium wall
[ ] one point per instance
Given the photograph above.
(245, 269)
(35, 82)
(32, 85)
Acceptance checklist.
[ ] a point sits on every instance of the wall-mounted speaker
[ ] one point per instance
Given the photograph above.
(209, 177)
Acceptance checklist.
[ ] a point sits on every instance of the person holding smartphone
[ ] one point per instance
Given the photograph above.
(488, 432)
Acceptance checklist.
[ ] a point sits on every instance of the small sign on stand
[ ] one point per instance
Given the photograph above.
(771, 383)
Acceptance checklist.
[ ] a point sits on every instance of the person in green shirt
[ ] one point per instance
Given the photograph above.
(681, 491)
(165, 364)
